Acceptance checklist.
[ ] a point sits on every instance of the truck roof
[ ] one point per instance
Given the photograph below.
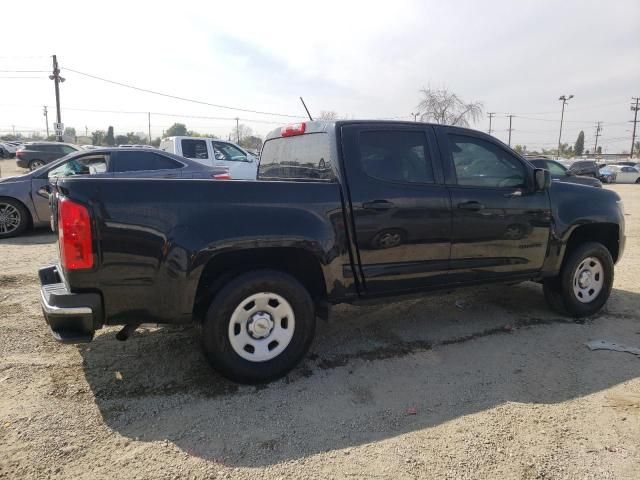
(318, 126)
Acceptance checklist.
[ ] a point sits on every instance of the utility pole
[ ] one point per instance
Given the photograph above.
(510, 119)
(86, 131)
(13, 128)
(491, 115)
(46, 118)
(565, 100)
(598, 130)
(57, 79)
(634, 108)
(237, 130)
(415, 116)
(149, 113)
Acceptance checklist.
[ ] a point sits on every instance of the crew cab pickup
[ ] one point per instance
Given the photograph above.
(348, 211)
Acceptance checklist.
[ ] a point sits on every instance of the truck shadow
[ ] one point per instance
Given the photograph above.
(373, 373)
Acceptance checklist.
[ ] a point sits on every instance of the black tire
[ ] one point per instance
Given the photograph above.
(10, 206)
(216, 335)
(35, 163)
(559, 291)
(638, 180)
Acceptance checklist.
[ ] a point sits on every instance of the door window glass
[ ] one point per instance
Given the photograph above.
(136, 161)
(225, 152)
(396, 155)
(87, 165)
(555, 168)
(479, 163)
(194, 149)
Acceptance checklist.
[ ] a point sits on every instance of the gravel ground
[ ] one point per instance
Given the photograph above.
(478, 383)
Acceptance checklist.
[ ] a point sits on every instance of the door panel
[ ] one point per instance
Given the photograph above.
(401, 209)
(500, 224)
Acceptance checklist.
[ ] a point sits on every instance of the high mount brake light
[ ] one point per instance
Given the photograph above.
(292, 130)
(74, 235)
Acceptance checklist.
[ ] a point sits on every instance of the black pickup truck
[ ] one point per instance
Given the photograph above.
(349, 211)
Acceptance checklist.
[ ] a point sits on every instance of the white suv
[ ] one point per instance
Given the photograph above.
(212, 152)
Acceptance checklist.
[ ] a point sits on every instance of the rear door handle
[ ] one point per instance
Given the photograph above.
(378, 205)
(471, 206)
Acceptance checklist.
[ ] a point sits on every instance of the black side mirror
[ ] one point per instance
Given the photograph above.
(542, 179)
(44, 191)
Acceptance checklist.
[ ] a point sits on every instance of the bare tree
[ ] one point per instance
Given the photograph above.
(328, 116)
(442, 106)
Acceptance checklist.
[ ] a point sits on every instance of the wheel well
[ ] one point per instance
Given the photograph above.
(26, 209)
(605, 233)
(299, 263)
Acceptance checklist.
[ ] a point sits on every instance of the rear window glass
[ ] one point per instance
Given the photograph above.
(303, 157)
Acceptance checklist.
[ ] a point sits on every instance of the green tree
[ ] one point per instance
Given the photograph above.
(599, 151)
(156, 142)
(122, 139)
(133, 139)
(110, 139)
(520, 148)
(176, 130)
(97, 137)
(252, 142)
(442, 106)
(70, 131)
(579, 146)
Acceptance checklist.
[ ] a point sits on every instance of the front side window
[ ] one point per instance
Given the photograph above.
(226, 152)
(479, 163)
(396, 155)
(194, 149)
(87, 165)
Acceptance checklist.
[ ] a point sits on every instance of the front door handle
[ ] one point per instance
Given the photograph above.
(473, 205)
(378, 205)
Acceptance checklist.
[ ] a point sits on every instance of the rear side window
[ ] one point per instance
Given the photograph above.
(194, 149)
(138, 161)
(397, 156)
(303, 157)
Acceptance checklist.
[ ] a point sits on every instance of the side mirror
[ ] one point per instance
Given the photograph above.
(542, 179)
(44, 191)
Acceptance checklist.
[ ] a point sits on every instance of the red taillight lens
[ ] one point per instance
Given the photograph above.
(221, 176)
(74, 235)
(19, 153)
(295, 129)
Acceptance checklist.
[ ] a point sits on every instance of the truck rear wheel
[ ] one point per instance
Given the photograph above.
(259, 326)
(584, 283)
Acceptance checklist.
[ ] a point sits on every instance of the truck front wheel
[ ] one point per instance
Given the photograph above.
(259, 326)
(584, 283)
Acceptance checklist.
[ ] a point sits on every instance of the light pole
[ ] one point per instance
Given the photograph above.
(565, 100)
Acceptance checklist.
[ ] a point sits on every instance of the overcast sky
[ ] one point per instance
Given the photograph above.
(364, 59)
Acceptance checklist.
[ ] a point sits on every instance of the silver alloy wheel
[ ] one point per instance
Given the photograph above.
(588, 280)
(36, 164)
(10, 218)
(261, 327)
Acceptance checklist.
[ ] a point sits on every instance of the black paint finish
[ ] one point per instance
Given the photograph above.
(153, 238)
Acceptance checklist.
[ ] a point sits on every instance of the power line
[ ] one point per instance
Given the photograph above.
(246, 110)
(24, 71)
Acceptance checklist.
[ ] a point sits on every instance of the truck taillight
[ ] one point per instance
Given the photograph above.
(74, 235)
(295, 129)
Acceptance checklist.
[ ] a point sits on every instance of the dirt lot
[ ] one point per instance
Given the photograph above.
(480, 383)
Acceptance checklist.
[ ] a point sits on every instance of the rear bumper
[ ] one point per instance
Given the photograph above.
(72, 317)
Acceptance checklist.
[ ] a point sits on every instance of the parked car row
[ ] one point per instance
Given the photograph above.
(24, 200)
(8, 149)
